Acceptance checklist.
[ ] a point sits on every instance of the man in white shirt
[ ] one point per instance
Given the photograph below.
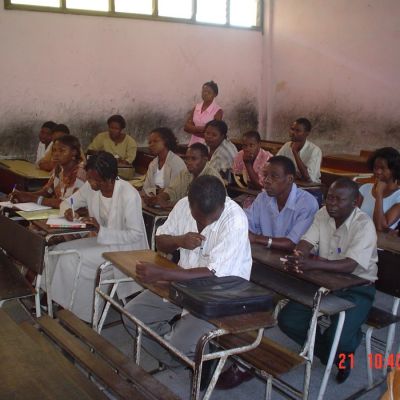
(346, 241)
(306, 155)
(45, 136)
(211, 232)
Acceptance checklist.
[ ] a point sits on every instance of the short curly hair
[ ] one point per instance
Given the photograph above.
(168, 137)
(392, 157)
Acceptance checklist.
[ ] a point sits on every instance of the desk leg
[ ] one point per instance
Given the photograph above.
(96, 324)
(308, 350)
(48, 283)
(332, 355)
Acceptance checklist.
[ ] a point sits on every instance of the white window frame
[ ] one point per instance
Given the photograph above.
(154, 17)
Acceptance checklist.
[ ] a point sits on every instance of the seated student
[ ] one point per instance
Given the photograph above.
(66, 178)
(45, 136)
(197, 165)
(279, 216)
(167, 165)
(306, 155)
(251, 160)
(210, 231)
(277, 219)
(119, 144)
(115, 212)
(46, 163)
(381, 200)
(222, 150)
(346, 241)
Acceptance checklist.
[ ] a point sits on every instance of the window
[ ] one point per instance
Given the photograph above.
(235, 13)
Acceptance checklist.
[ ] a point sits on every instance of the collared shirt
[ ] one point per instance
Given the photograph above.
(125, 150)
(222, 158)
(310, 154)
(226, 248)
(355, 238)
(179, 187)
(201, 118)
(291, 222)
(259, 164)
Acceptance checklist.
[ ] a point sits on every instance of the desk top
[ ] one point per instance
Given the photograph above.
(126, 262)
(155, 211)
(330, 280)
(41, 224)
(35, 373)
(389, 242)
(24, 169)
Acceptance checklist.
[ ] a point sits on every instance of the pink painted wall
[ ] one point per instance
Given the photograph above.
(79, 70)
(336, 62)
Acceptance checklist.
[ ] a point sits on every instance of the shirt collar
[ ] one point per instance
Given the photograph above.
(347, 223)
(291, 201)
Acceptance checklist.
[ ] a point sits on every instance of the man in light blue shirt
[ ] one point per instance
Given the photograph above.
(280, 216)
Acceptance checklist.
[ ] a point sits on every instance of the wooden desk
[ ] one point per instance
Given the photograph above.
(29, 372)
(22, 173)
(346, 162)
(307, 288)
(389, 242)
(269, 145)
(126, 262)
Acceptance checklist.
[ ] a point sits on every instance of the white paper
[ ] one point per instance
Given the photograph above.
(24, 206)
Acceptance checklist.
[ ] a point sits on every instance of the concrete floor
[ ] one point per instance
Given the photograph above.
(178, 380)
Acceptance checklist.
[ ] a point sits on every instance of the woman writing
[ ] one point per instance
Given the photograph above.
(66, 178)
(381, 200)
(203, 112)
(115, 212)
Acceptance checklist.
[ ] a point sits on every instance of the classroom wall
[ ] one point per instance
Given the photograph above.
(336, 62)
(79, 70)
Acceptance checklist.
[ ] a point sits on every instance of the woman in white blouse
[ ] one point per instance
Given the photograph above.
(115, 212)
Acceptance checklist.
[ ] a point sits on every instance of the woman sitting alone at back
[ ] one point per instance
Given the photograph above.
(66, 178)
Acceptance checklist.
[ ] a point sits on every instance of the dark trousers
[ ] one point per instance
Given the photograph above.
(294, 320)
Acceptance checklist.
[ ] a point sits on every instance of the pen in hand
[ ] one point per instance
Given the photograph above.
(72, 208)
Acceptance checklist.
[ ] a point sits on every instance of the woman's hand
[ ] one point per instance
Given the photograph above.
(91, 221)
(21, 197)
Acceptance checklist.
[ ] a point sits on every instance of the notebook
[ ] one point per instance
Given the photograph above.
(61, 222)
(34, 215)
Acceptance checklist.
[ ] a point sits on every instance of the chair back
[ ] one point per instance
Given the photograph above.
(22, 244)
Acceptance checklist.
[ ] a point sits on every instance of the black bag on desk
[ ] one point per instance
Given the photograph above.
(218, 297)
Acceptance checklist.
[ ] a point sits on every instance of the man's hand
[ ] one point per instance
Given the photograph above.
(296, 146)
(191, 240)
(148, 272)
(21, 197)
(150, 200)
(295, 262)
(260, 239)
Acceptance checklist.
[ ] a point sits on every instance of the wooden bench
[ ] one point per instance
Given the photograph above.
(100, 358)
(19, 246)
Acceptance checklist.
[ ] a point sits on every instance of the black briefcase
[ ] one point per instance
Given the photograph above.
(218, 297)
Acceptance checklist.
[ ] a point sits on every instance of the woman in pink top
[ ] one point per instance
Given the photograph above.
(251, 160)
(203, 112)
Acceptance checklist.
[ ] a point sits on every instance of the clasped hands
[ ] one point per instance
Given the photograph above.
(295, 262)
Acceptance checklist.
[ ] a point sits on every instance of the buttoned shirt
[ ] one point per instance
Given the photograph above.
(310, 154)
(355, 238)
(291, 222)
(226, 247)
(179, 187)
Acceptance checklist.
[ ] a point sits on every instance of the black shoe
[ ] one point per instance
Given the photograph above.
(207, 373)
(344, 367)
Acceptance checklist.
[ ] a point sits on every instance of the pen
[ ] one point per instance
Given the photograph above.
(72, 207)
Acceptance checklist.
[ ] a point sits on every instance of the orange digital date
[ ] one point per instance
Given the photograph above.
(375, 361)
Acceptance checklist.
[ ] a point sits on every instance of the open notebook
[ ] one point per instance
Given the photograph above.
(61, 222)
